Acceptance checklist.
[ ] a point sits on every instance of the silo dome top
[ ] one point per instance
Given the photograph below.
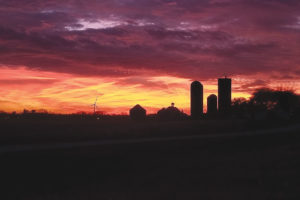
(212, 96)
(196, 83)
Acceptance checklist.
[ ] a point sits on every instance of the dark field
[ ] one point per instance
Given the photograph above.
(34, 131)
(263, 165)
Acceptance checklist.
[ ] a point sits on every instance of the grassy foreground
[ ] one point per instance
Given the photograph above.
(237, 167)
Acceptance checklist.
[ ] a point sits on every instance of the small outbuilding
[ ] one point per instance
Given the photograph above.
(171, 113)
(137, 113)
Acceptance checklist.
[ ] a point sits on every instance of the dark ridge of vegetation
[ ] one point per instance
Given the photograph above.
(266, 103)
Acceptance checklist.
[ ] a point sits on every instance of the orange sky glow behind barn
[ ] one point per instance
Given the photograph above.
(64, 93)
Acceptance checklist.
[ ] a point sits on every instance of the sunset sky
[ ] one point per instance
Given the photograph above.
(61, 55)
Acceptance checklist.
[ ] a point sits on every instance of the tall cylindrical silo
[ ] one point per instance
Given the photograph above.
(224, 95)
(196, 99)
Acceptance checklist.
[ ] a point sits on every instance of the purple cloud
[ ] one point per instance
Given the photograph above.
(186, 38)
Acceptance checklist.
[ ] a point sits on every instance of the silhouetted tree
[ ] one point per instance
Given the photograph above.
(269, 99)
(241, 107)
(268, 103)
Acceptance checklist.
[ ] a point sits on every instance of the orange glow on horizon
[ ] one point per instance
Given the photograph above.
(22, 88)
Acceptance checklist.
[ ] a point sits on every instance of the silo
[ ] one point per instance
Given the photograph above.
(224, 95)
(212, 103)
(196, 99)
